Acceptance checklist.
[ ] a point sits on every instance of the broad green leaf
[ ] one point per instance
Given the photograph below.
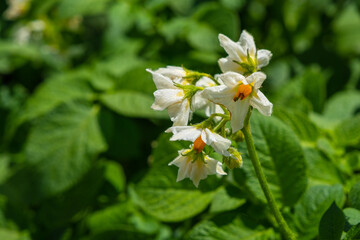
(62, 145)
(299, 123)
(230, 226)
(354, 196)
(315, 90)
(342, 105)
(332, 223)
(123, 217)
(347, 132)
(226, 199)
(131, 104)
(115, 175)
(55, 91)
(352, 216)
(161, 196)
(309, 210)
(281, 157)
(202, 37)
(320, 169)
(353, 233)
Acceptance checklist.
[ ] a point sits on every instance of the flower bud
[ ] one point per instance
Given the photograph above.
(235, 160)
(238, 136)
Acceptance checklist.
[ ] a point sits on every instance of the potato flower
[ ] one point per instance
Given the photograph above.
(196, 166)
(243, 56)
(238, 94)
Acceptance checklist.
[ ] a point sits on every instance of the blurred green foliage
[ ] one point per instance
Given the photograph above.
(80, 152)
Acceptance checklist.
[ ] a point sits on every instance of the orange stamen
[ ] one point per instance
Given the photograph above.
(199, 145)
(242, 92)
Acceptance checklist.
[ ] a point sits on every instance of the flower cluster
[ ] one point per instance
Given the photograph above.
(225, 97)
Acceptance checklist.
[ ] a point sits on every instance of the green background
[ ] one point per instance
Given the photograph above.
(82, 155)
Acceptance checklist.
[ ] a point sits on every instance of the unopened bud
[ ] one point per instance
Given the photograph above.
(238, 136)
(235, 160)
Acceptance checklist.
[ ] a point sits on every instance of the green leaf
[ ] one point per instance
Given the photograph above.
(352, 216)
(299, 123)
(332, 223)
(4, 167)
(342, 105)
(115, 175)
(62, 145)
(281, 157)
(202, 37)
(226, 199)
(315, 91)
(309, 210)
(161, 196)
(347, 132)
(229, 226)
(354, 196)
(353, 233)
(53, 92)
(131, 104)
(320, 169)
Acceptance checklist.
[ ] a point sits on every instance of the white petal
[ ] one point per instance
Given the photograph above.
(198, 101)
(187, 133)
(198, 172)
(219, 169)
(233, 49)
(184, 169)
(205, 82)
(220, 144)
(172, 72)
(263, 58)
(221, 95)
(247, 43)
(179, 113)
(214, 166)
(161, 81)
(238, 113)
(232, 79)
(226, 65)
(258, 78)
(262, 104)
(166, 97)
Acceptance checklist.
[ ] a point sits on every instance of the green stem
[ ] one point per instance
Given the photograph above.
(284, 228)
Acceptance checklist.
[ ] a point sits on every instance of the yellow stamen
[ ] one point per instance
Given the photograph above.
(199, 145)
(242, 92)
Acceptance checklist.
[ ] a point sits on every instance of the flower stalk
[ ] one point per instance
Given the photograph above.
(284, 228)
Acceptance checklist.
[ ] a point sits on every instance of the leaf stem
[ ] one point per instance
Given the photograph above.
(284, 228)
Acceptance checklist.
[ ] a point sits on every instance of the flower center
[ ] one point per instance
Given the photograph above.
(242, 92)
(199, 145)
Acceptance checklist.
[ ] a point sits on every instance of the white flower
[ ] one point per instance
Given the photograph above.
(196, 169)
(174, 73)
(237, 94)
(243, 57)
(201, 137)
(171, 97)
